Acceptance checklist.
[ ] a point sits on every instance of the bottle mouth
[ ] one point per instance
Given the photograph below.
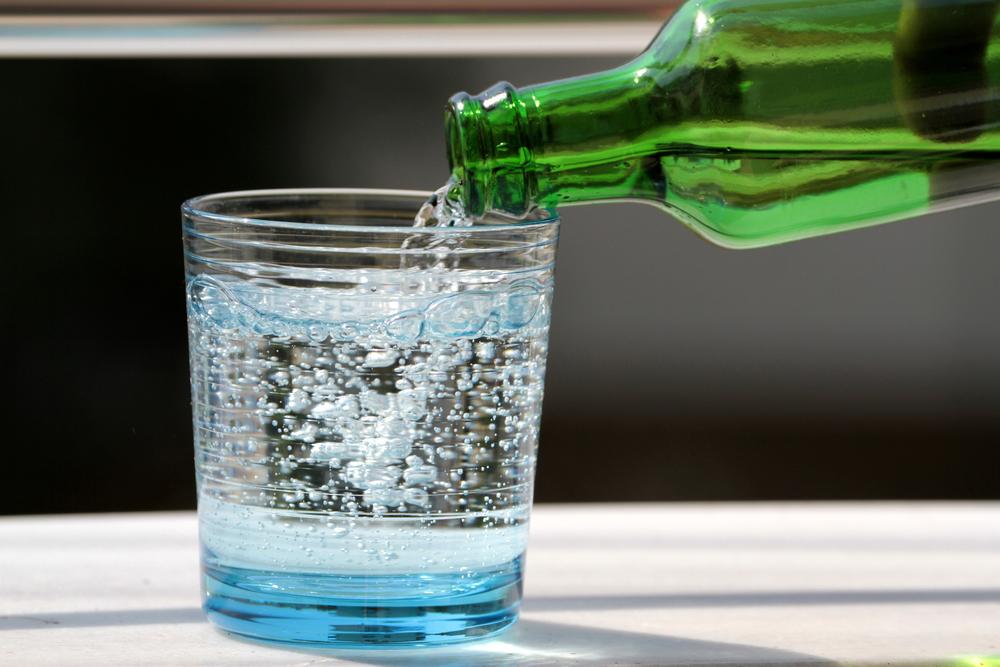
(463, 141)
(453, 130)
(489, 152)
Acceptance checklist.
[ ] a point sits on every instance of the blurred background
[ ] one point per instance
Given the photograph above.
(864, 365)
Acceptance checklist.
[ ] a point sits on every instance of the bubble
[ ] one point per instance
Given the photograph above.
(387, 448)
(280, 378)
(347, 407)
(383, 496)
(305, 433)
(391, 426)
(279, 327)
(405, 327)
(297, 401)
(418, 497)
(374, 402)
(522, 304)
(367, 474)
(381, 358)
(317, 332)
(303, 381)
(294, 497)
(459, 315)
(412, 404)
(343, 407)
(211, 300)
(324, 451)
(356, 473)
(420, 474)
(446, 454)
(486, 351)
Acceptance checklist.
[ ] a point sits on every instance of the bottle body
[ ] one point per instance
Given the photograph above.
(757, 121)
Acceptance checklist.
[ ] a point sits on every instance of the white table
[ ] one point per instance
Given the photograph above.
(702, 584)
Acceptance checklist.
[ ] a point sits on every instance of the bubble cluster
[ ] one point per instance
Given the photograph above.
(347, 411)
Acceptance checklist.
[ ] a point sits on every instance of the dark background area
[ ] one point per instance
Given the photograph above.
(865, 365)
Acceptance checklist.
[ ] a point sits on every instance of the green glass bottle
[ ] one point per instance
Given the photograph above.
(756, 121)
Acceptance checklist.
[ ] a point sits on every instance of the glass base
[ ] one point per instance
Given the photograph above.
(358, 611)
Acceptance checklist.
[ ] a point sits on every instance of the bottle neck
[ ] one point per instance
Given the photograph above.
(562, 142)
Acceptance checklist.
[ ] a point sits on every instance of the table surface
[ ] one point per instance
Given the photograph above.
(631, 584)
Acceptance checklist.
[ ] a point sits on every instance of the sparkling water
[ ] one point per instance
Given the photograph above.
(443, 208)
(366, 451)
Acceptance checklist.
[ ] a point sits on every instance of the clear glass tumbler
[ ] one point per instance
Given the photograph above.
(366, 400)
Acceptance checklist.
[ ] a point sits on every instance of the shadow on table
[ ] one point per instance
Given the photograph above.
(92, 619)
(760, 599)
(535, 643)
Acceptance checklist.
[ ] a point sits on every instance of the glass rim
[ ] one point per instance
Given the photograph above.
(192, 208)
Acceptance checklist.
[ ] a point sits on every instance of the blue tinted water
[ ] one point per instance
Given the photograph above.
(397, 610)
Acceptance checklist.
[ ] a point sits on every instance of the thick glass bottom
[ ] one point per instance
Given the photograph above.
(358, 611)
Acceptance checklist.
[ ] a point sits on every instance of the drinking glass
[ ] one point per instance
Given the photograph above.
(366, 398)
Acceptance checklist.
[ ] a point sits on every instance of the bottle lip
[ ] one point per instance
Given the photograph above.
(453, 129)
(462, 135)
